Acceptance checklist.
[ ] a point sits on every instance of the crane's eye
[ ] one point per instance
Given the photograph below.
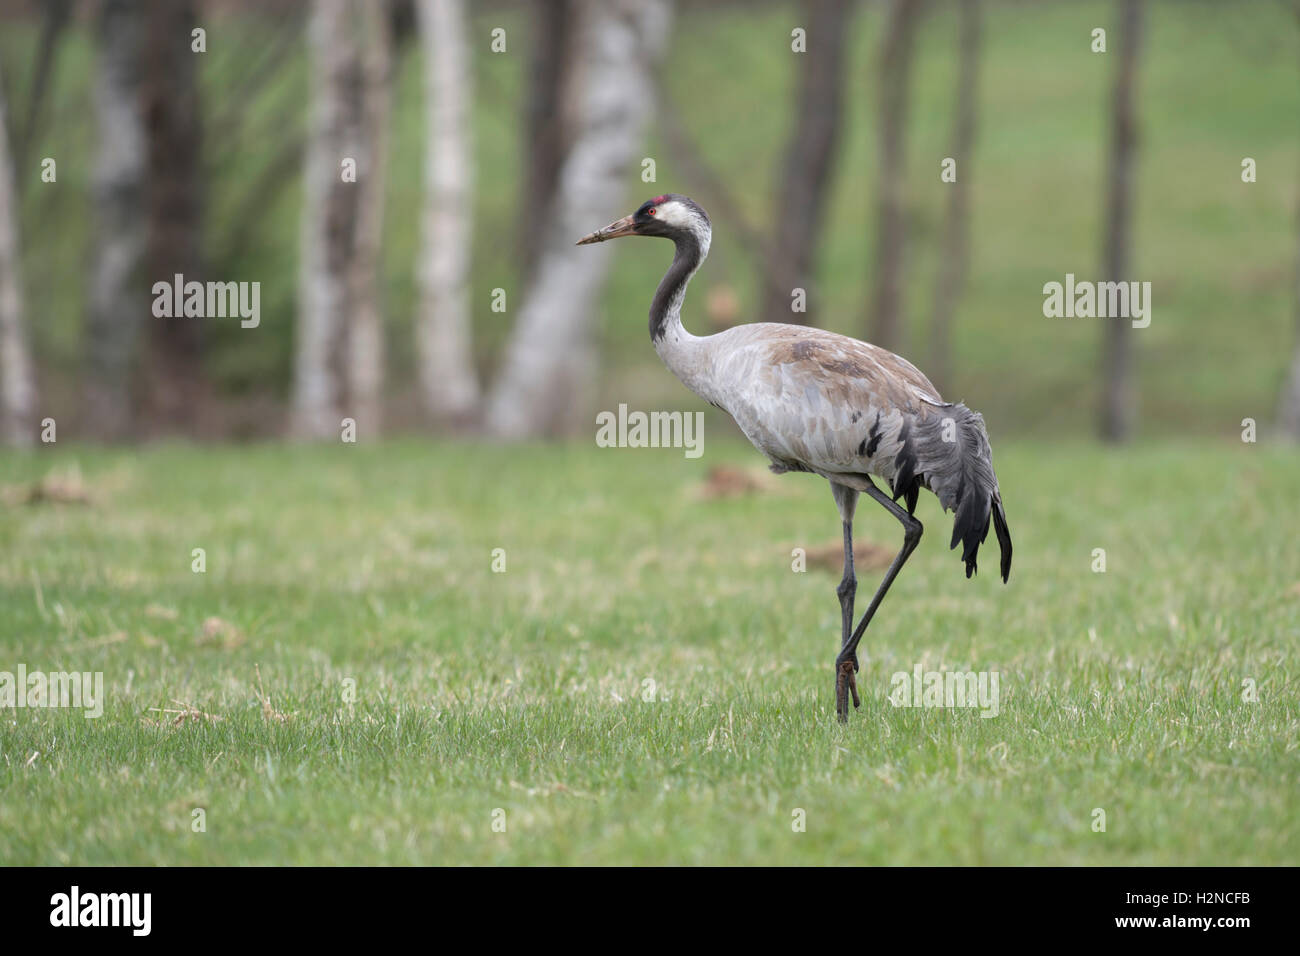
(650, 211)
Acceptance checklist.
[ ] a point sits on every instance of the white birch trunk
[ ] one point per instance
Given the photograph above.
(548, 370)
(365, 340)
(443, 338)
(317, 398)
(338, 362)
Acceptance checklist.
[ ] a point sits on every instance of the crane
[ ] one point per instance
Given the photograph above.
(815, 401)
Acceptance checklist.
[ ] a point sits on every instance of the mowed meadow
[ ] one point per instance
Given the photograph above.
(647, 680)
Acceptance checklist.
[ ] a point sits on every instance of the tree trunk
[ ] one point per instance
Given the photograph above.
(55, 15)
(548, 117)
(1119, 400)
(891, 224)
(364, 362)
(338, 353)
(955, 256)
(810, 157)
(547, 374)
(443, 339)
(1288, 405)
(116, 307)
(17, 391)
(174, 239)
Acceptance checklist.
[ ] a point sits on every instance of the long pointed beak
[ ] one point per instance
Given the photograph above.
(621, 227)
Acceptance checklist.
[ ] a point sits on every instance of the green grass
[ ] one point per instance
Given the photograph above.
(1219, 253)
(523, 690)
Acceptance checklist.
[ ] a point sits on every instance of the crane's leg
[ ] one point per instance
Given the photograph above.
(847, 663)
(846, 500)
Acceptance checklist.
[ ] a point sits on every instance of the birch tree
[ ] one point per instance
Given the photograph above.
(17, 390)
(338, 360)
(545, 382)
(364, 361)
(117, 306)
(443, 341)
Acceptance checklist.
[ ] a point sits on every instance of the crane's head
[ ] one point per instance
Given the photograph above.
(670, 216)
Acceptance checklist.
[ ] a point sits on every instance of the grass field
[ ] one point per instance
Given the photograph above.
(523, 691)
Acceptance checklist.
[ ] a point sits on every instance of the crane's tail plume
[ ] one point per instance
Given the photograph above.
(1004, 536)
(948, 452)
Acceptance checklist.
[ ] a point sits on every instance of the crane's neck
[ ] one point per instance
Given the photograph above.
(683, 353)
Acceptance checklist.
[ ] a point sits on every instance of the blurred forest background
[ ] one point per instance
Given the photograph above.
(440, 290)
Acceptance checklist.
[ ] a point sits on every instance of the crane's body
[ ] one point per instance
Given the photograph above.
(815, 401)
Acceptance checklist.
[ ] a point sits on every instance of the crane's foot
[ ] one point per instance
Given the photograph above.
(846, 683)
